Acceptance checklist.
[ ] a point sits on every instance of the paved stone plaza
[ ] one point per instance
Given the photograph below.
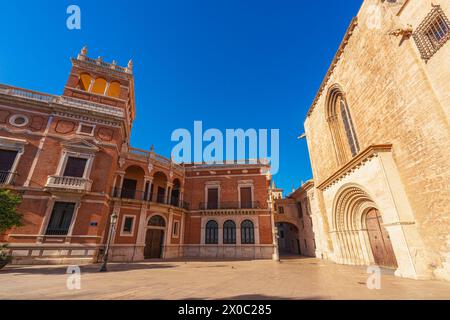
(292, 279)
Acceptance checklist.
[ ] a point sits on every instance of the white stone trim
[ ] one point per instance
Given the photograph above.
(64, 158)
(122, 232)
(13, 145)
(14, 118)
(50, 205)
(93, 126)
(176, 235)
(246, 184)
(212, 185)
(238, 219)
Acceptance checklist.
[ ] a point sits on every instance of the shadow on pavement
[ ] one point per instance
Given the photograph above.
(84, 269)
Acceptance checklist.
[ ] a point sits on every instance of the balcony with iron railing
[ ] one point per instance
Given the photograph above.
(229, 205)
(56, 232)
(132, 194)
(7, 178)
(69, 183)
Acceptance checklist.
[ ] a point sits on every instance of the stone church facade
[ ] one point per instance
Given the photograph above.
(378, 137)
(70, 159)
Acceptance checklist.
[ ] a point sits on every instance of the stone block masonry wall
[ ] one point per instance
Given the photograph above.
(396, 97)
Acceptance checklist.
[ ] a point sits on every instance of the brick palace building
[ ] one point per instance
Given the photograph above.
(70, 158)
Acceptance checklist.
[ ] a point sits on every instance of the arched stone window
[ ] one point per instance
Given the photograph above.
(212, 232)
(247, 232)
(84, 82)
(341, 125)
(99, 86)
(229, 232)
(114, 89)
(156, 221)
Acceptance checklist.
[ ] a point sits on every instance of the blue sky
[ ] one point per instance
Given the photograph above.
(229, 63)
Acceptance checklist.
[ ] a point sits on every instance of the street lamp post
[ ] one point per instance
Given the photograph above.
(112, 226)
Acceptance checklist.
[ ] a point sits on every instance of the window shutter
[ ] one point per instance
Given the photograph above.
(246, 198)
(213, 198)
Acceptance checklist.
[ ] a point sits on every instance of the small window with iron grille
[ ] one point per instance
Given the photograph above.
(432, 33)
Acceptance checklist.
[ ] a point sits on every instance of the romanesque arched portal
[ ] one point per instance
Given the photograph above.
(360, 236)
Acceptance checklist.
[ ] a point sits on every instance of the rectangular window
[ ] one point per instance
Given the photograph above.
(175, 228)
(213, 198)
(7, 159)
(60, 219)
(128, 225)
(86, 129)
(280, 209)
(246, 197)
(432, 33)
(75, 167)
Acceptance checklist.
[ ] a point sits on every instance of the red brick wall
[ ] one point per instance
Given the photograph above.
(265, 230)
(229, 191)
(192, 230)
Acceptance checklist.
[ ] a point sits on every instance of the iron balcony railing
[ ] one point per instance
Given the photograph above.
(133, 194)
(57, 232)
(7, 178)
(229, 205)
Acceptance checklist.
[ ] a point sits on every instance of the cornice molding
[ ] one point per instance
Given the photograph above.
(353, 164)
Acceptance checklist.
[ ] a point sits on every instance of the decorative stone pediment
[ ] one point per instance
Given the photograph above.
(80, 145)
(12, 144)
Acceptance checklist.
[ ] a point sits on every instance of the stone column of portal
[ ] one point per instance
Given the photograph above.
(166, 195)
(148, 180)
(121, 176)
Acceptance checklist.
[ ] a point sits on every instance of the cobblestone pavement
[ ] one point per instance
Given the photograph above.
(291, 279)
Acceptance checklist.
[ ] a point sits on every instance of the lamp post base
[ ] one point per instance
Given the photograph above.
(103, 268)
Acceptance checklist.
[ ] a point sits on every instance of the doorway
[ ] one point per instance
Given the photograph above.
(380, 242)
(153, 244)
(154, 237)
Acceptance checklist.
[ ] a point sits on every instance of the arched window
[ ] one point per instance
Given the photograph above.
(99, 86)
(212, 232)
(114, 89)
(229, 232)
(349, 128)
(341, 125)
(157, 221)
(84, 82)
(247, 232)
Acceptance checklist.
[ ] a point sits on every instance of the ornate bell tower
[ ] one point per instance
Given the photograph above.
(109, 84)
